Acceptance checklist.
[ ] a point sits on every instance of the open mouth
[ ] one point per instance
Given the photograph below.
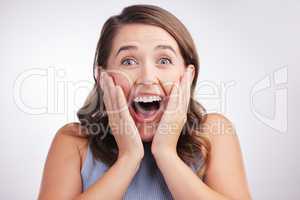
(147, 110)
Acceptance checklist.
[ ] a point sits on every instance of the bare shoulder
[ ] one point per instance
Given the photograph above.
(225, 164)
(72, 132)
(61, 175)
(71, 136)
(216, 124)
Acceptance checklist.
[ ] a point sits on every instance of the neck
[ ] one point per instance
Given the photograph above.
(147, 147)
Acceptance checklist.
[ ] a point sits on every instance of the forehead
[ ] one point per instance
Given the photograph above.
(143, 36)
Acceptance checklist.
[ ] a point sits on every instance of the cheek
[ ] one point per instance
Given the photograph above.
(123, 80)
(169, 77)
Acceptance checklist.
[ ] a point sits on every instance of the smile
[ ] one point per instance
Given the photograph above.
(147, 107)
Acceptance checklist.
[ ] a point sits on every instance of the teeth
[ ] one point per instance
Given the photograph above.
(147, 99)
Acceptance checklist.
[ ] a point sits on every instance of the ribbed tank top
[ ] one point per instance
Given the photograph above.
(148, 182)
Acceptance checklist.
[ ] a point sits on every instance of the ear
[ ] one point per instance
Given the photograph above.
(193, 70)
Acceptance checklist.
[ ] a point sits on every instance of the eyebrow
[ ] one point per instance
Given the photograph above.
(132, 47)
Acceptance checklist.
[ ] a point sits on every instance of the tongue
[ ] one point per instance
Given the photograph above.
(146, 111)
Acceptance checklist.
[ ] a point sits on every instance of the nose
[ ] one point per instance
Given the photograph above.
(147, 75)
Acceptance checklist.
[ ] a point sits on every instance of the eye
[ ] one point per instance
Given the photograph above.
(127, 61)
(167, 60)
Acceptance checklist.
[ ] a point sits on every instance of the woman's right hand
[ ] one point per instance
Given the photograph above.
(121, 123)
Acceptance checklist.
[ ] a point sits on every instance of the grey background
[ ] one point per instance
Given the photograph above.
(249, 52)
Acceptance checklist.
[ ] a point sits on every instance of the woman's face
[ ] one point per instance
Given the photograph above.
(145, 61)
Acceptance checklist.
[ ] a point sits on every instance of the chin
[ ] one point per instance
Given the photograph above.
(147, 138)
(147, 132)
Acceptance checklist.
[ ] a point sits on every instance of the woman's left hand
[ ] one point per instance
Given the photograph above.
(175, 115)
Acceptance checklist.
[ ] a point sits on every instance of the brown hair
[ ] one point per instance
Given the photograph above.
(92, 114)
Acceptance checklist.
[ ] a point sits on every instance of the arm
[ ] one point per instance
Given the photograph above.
(62, 179)
(225, 176)
(181, 180)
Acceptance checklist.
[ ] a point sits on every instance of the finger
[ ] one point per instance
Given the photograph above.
(101, 79)
(124, 114)
(185, 88)
(122, 103)
(186, 80)
(106, 95)
(108, 102)
(173, 99)
(111, 89)
(121, 100)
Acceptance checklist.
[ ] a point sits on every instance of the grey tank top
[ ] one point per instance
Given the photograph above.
(148, 182)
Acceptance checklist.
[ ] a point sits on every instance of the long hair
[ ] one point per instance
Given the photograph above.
(191, 143)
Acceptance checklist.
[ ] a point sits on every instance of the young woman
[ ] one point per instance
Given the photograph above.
(141, 134)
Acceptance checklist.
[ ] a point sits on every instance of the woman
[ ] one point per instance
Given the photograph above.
(141, 134)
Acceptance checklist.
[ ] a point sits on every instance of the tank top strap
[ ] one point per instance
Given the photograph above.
(87, 164)
(91, 169)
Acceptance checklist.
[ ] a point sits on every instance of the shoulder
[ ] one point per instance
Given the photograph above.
(216, 124)
(225, 158)
(61, 174)
(71, 136)
(221, 134)
(73, 131)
